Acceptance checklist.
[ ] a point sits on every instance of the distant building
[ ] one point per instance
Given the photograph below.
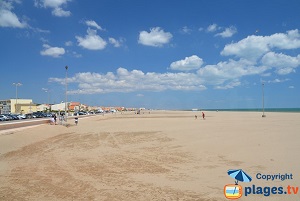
(17, 106)
(43, 107)
(74, 106)
(84, 107)
(59, 107)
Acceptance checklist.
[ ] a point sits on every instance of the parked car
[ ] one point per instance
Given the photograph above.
(30, 116)
(80, 113)
(8, 117)
(22, 116)
(14, 117)
(38, 114)
(2, 117)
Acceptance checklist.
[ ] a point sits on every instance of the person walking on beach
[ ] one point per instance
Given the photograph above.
(76, 120)
(52, 122)
(203, 115)
(54, 116)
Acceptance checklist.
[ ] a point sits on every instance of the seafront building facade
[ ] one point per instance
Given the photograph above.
(26, 106)
(17, 106)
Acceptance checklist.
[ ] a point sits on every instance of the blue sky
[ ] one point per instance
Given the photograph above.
(171, 54)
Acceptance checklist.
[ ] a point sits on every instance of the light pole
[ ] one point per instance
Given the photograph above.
(47, 91)
(263, 100)
(17, 85)
(66, 103)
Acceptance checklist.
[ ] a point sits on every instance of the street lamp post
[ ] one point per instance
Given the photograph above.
(47, 91)
(17, 85)
(66, 103)
(263, 100)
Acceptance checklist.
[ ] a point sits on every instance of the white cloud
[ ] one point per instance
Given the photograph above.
(291, 87)
(56, 5)
(129, 81)
(212, 28)
(228, 32)
(253, 47)
(94, 24)
(8, 18)
(254, 58)
(224, 75)
(59, 12)
(114, 42)
(189, 63)
(230, 70)
(230, 85)
(186, 30)
(157, 37)
(75, 54)
(69, 43)
(284, 64)
(91, 41)
(52, 51)
(278, 80)
(290, 40)
(50, 3)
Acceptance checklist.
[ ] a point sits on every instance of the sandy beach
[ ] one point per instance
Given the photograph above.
(161, 155)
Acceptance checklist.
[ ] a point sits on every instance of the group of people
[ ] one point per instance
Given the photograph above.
(53, 120)
(203, 116)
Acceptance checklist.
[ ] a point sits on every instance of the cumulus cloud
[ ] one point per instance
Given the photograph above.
(228, 32)
(115, 42)
(284, 64)
(52, 51)
(8, 18)
(91, 41)
(189, 63)
(212, 28)
(55, 5)
(129, 81)
(229, 70)
(92, 23)
(157, 37)
(254, 47)
(254, 55)
(59, 12)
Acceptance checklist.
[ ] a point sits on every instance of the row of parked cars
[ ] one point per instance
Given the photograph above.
(9, 117)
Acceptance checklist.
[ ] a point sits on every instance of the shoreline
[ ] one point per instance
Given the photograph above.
(289, 110)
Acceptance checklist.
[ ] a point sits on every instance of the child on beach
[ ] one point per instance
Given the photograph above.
(203, 115)
(76, 120)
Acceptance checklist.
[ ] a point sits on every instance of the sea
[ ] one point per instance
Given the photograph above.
(297, 110)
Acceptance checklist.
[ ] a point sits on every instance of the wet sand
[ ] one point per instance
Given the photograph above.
(164, 155)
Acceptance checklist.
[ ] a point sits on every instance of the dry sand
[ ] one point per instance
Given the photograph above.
(165, 155)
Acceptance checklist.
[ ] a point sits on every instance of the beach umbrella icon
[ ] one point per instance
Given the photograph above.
(239, 175)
